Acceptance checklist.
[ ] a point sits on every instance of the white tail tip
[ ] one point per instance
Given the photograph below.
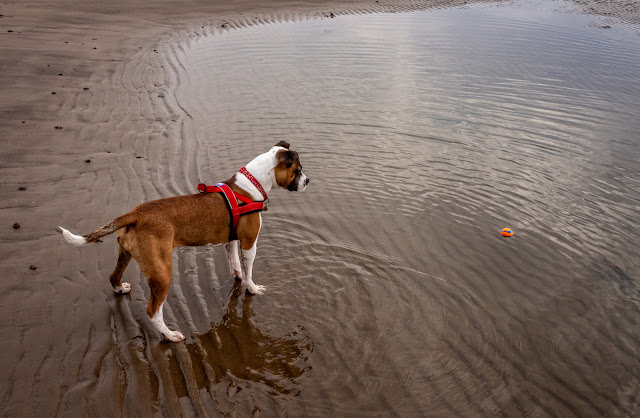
(73, 238)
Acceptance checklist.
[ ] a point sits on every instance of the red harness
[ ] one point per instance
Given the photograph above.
(231, 197)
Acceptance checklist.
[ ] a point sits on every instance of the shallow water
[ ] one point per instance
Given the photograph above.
(390, 289)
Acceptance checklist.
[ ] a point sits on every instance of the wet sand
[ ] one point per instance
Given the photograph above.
(91, 125)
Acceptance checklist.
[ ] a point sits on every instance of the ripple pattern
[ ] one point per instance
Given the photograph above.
(425, 128)
(424, 134)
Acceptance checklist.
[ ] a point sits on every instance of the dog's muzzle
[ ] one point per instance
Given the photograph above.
(299, 184)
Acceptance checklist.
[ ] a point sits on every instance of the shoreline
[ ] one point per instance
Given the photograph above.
(59, 69)
(67, 67)
(89, 103)
(88, 122)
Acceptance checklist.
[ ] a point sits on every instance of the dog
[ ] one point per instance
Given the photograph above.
(151, 231)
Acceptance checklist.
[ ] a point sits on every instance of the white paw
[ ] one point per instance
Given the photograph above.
(121, 290)
(174, 336)
(256, 289)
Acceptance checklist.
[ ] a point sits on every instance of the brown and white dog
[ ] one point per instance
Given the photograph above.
(151, 231)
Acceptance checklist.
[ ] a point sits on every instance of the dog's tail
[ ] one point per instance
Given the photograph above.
(110, 228)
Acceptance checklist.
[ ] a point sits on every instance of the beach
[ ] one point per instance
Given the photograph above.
(96, 118)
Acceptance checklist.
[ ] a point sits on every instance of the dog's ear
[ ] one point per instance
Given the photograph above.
(286, 157)
(283, 144)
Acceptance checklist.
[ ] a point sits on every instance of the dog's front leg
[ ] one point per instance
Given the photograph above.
(234, 259)
(246, 258)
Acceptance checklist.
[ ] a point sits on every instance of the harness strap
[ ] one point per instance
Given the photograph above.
(255, 182)
(231, 197)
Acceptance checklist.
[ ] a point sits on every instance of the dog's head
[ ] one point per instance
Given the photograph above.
(288, 169)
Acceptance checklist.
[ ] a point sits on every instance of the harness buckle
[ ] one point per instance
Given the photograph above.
(203, 189)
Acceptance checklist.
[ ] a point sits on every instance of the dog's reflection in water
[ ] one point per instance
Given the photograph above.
(239, 353)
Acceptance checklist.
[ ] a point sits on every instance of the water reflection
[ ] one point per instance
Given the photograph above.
(238, 353)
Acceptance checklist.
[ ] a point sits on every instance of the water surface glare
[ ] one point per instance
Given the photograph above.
(390, 289)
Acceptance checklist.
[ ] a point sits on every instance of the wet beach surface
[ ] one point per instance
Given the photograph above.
(389, 288)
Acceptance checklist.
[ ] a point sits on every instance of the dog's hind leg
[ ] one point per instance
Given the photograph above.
(158, 321)
(123, 260)
(157, 268)
(234, 259)
(159, 292)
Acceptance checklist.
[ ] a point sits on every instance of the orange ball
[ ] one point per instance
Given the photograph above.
(506, 232)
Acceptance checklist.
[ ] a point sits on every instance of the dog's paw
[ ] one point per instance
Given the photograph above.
(174, 336)
(256, 289)
(123, 289)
